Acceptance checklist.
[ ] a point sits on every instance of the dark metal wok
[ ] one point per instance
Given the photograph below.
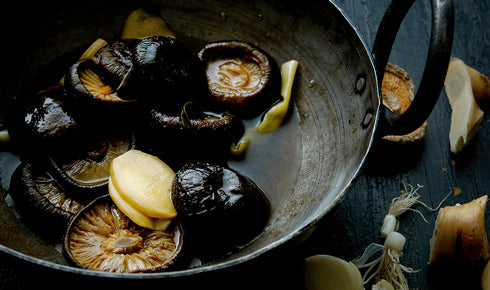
(336, 95)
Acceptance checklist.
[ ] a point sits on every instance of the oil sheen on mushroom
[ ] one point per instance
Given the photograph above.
(101, 237)
(241, 76)
(218, 202)
(85, 169)
(194, 134)
(167, 72)
(43, 122)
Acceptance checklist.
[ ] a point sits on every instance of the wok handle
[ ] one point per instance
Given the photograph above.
(438, 57)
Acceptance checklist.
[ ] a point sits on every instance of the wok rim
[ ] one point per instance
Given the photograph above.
(304, 229)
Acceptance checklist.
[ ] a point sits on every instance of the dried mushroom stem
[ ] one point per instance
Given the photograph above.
(398, 91)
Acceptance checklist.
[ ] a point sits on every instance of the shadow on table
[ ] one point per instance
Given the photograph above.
(386, 158)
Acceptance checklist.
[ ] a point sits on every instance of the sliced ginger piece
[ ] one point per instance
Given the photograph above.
(90, 52)
(135, 215)
(275, 116)
(142, 23)
(466, 115)
(144, 182)
(460, 234)
(329, 272)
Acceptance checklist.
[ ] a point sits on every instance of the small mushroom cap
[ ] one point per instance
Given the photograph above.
(241, 77)
(398, 91)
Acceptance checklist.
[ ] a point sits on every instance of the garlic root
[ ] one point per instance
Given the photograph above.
(466, 115)
(460, 234)
(382, 285)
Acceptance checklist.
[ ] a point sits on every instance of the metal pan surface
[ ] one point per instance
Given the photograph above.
(313, 159)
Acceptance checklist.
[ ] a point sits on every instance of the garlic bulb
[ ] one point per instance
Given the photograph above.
(325, 272)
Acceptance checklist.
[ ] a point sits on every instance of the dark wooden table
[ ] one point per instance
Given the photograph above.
(355, 223)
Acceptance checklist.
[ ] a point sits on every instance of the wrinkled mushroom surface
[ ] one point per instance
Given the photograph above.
(216, 201)
(91, 83)
(193, 134)
(44, 205)
(167, 73)
(85, 169)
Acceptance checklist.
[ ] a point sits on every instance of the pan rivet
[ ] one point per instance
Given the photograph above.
(367, 119)
(223, 16)
(360, 84)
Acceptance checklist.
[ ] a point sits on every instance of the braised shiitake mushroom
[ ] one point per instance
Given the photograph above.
(178, 105)
(42, 203)
(117, 61)
(167, 72)
(218, 202)
(90, 83)
(241, 76)
(85, 169)
(100, 237)
(45, 121)
(102, 78)
(192, 134)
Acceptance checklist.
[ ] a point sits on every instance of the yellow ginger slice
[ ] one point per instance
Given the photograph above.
(144, 182)
(141, 24)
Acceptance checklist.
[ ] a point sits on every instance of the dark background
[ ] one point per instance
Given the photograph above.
(355, 223)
